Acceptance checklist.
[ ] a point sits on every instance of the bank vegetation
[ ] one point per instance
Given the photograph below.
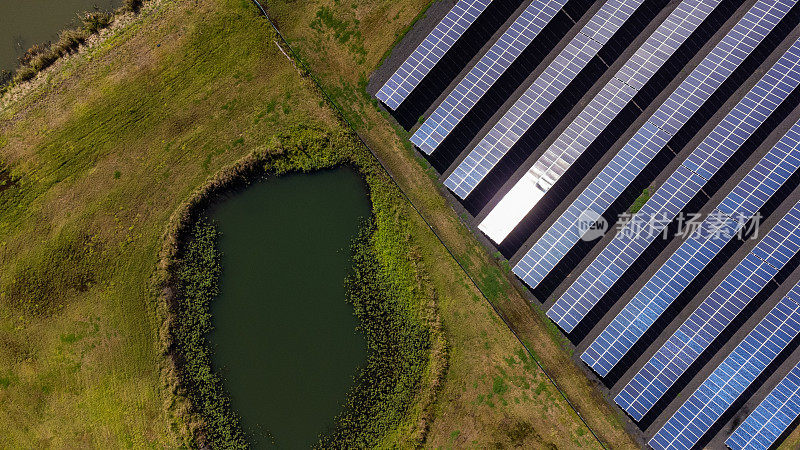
(394, 392)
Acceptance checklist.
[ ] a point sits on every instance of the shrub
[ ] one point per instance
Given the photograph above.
(95, 21)
(131, 6)
(5, 77)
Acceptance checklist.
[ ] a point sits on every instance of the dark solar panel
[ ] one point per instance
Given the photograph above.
(430, 51)
(595, 117)
(695, 253)
(650, 139)
(481, 77)
(771, 418)
(716, 312)
(525, 111)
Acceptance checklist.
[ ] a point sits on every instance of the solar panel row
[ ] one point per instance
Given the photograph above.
(593, 119)
(485, 73)
(430, 51)
(758, 186)
(716, 312)
(640, 150)
(771, 418)
(730, 379)
(651, 220)
(537, 98)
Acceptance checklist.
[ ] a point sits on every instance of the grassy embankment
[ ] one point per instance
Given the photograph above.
(99, 154)
(343, 44)
(41, 56)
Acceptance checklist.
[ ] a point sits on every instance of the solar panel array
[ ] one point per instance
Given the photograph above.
(716, 312)
(730, 379)
(430, 51)
(593, 119)
(537, 98)
(481, 77)
(735, 37)
(653, 136)
(758, 186)
(630, 242)
(771, 418)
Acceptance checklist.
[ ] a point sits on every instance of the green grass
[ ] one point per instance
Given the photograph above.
(183, 92)
(640, 201)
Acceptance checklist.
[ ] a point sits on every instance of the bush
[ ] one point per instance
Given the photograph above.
(5, 77)
(93, 22)
(131, 6)
(40, 57)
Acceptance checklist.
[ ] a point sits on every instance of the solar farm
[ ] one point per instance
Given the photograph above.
(638, 164)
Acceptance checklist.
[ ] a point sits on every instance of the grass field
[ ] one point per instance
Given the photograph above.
(101, 150)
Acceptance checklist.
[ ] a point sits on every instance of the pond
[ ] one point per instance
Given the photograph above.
(24, 23)
(285, 339)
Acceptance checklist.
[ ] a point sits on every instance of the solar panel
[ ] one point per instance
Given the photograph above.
(430, 51)
(640, 150)
(771, 417)
(761, 183)
(716, 312)
(732, 377)
(671, 198)
(593, 119)
(481, 77)
(537, 98)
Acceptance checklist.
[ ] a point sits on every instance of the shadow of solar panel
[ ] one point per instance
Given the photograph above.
(738, 207)
(481, 77)
(544, 90)
(771, 418)
(593, 119)
(640, 150)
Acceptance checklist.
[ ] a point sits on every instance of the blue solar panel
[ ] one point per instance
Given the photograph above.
(732, 377)
(651, 138)
(716, 312)
(695, 253)
(595, 117)
(481, 77)
(430, 51)
(525, 111)
(671, 198)
(771, 418)
(659, 292)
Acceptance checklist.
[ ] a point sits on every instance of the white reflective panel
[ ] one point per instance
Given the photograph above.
(513, 207)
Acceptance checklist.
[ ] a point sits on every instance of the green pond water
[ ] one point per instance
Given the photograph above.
(24, 23)
(285, 339)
